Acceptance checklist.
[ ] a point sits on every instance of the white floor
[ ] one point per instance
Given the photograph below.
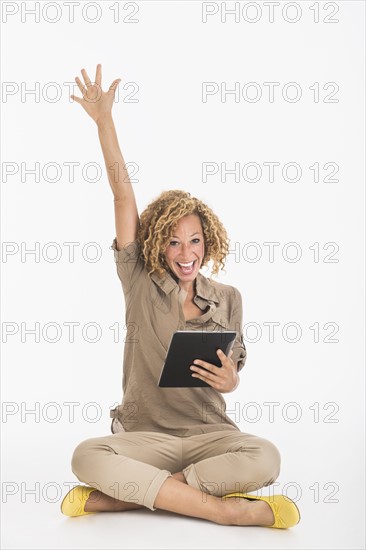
(41, 526)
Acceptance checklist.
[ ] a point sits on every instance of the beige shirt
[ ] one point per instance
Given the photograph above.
(153, 312)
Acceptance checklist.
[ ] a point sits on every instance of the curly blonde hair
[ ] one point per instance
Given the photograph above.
(159, 220)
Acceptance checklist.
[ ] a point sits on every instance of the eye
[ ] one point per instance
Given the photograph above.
(172, 242)
(197, 240)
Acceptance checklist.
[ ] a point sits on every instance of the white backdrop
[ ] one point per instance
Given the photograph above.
(296, 75)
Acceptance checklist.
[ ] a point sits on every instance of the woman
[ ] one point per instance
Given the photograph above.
(172, 448)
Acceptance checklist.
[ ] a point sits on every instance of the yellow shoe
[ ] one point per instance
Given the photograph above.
(74, 502)
(285, 511)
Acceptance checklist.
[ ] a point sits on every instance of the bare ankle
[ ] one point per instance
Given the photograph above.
(243, 512)
(223, 515)
(100, 502)
(92, 503)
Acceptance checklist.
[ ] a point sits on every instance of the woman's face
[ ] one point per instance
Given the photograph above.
(186, 246)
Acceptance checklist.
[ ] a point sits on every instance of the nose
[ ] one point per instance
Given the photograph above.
(186, 252)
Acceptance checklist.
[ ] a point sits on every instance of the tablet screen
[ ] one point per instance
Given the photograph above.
(186, 346)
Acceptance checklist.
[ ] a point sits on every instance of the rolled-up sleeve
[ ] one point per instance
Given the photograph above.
(129, 263)
(239, 355)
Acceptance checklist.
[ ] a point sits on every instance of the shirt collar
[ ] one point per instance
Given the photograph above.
(204, 287)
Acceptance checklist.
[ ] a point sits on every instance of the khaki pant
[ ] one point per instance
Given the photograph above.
(132, 466)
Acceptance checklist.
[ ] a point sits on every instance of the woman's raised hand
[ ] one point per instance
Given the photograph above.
(95, 102)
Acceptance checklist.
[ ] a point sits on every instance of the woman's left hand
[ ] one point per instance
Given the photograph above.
(224, 379)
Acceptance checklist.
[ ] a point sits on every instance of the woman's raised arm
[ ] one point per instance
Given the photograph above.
(98, 105)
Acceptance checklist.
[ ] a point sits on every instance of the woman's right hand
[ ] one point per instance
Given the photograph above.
(95, 102)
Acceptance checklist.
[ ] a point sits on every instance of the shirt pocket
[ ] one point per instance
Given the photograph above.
(159, 299)
(220, 320)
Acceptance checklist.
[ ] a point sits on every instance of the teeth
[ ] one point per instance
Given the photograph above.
(186, 265)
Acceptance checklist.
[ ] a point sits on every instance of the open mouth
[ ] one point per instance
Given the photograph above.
(186, 268)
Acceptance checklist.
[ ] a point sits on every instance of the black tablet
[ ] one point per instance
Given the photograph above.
(186, 346)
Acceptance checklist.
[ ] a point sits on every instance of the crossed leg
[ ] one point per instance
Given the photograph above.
(188, 501)
(175, 495)
(100, 502)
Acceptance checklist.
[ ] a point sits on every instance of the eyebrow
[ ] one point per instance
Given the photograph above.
(197, 233)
